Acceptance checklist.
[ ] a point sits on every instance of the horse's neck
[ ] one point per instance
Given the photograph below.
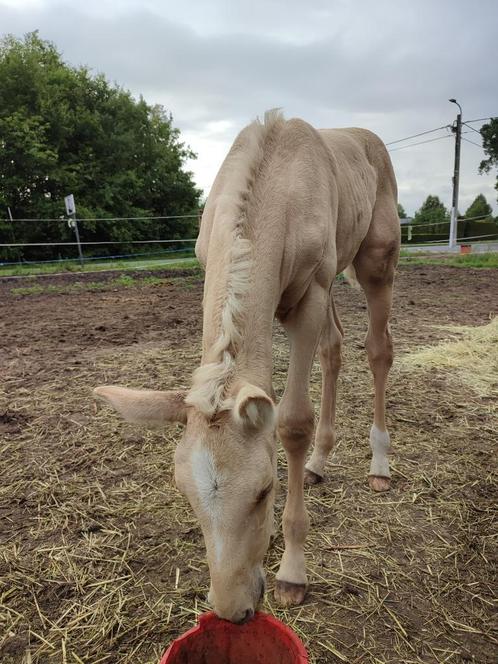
(239, 307)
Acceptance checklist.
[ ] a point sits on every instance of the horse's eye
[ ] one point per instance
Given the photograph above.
(263, 494)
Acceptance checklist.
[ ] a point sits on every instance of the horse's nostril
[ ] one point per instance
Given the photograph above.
(247, 616)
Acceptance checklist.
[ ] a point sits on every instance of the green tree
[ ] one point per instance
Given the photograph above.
(432, 216)
(481, 219)
(489, 133)
(64, 130)
(401, 211)
(479, 208)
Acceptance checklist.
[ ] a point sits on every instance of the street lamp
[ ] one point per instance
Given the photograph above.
(454, 101)
(456, 178)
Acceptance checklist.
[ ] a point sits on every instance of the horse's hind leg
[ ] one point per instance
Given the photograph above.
(374, 265)
(330, 362)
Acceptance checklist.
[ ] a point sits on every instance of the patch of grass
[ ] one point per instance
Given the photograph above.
(123, 281)
(404, 253)
(484, 260)
(153, 281)
(477, 260)
(180, 261)
(27, 290)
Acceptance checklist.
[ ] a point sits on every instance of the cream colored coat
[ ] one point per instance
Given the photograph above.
(291, 207)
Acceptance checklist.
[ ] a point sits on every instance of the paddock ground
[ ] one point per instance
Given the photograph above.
(101, 559)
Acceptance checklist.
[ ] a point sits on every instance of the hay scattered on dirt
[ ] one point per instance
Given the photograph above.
(473, 358)
(102, 560)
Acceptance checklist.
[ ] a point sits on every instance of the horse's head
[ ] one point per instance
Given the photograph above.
(226, 467)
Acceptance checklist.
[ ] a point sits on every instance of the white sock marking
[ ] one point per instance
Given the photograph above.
(380, 445)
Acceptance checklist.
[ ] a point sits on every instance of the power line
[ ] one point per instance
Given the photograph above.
(473, 129)
(430, 140)
(422, 133)
(478, 120)
(469, 141)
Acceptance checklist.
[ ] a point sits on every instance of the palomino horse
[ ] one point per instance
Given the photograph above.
(291, 207)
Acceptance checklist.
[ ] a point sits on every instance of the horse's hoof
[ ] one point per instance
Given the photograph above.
(290, 594)
(379, 484)
(311, 478)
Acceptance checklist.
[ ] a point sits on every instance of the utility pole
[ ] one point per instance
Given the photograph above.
(457, 129)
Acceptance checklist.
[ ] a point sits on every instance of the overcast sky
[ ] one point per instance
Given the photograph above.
(388, 65)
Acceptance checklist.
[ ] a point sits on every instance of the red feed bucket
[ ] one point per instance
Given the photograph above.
(263, 640)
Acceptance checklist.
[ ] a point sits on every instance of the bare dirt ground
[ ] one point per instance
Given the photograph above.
(101, 559)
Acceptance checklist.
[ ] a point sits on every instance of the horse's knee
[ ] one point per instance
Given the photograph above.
(296, 429)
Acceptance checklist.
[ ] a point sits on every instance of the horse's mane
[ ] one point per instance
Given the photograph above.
(210, 381)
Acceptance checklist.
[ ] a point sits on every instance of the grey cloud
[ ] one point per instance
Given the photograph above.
(147, 51)
(388, 66)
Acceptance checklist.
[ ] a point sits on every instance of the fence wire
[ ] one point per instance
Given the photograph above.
(174, 251)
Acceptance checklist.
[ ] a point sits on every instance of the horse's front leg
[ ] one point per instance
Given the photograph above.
(295, 426)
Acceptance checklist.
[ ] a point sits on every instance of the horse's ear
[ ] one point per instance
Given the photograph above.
(253, 408)
(145, 407)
